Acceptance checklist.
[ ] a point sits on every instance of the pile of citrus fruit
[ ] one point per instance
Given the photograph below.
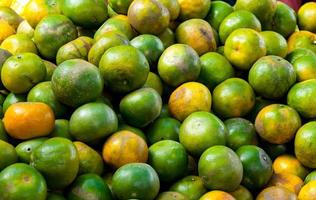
(157, 100)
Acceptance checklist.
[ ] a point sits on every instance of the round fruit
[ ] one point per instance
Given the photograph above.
(193, 9)
(240, 132)
(150, 45)
(19, 43)
(307, 17)
(56, 150)
(124, 68)
(235, 20)
(276, 44)
(29, 120)
(301, 98)
(43, 92)
(239, 48)
(189, 98)
(304, 147)
(141, 107)
(215, 68)
(85, 13)
(198, 34)
(89, 186)
(92, 121)
(289, 181)
(163, 129)
(201, 130)
(302, 39)
(277, 192)
(217, 195)
(217, 13)
(135, 180)
(124, 147)
(12, 99)
(310, 177)
(308, 191)
(169, 159)
(120, 6)
(6, 30)
(50, 68)
(233, 97)
(257, 166)
(8, 155)
(25, 149)
(153, 81)
(179, 63)
(21, 181)
(90, 161)
(148, 16)
(274, 71)
(61, 129)
(171, 196)
(220, 168)
(167, 38)
(305, 67)
(26, 29)
(277, 123)
(173, 6)
(288, 164)
(21, 72)
(76, 82)
(190, 186)
(53, 32)
(9, 15)
(242, 193)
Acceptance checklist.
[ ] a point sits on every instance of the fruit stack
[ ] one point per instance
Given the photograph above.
(157, 100)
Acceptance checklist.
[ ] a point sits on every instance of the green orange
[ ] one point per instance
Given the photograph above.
(201, 130)
(297, 53)
(193, 9)
(242, 193)
(302, 39)
(305, 67)
(153, 81)
(50, 68)
(173, 6)
(12, 99)
(19, 43)
(61, 129)
(190, 186)
(9, 15)
(26, 29)
(171, 196)
(167, 38)
(310, 177)
(276, 44)
(217, 13)
(307, 17)
(8, 154)
(120, 6)
(217, 195)
(308, 191)
(25, 149)
(276, 192)
(289, 181)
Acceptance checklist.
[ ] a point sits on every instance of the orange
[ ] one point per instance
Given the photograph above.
(188, 98)
(242, 193)
(10, 16)
(276, 192)
(308, 192)
(124, 147)
(305, 67)
(26, 29)
(289, 181)
(29, 120)
(193, 9)
(307, 17)
(19, 43)
(290, 165)
(276, 44)
(302, 39)
(5, 30)
(217, 195)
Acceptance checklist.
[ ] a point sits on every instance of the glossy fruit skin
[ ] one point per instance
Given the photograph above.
(233, 97)
(169, 159)
(190, 186)
(198, 34)
(8, 154)
(289, 181)
(53, 150)
(26, 29)
(242, 193)
(193, 9)
(89, 186)
(21, 181)
(28, 120)
(304, 67)
(215, 68)
(276, 44)
(257, 166)
(141, 107)
(166, 128)
(124, 68)
(76, 82)
(220, 169)
(85, 13)
(19, 43)
(179, 63)
(92, 121)
(137, 131)
(43, 92)
(171, 196)
(143, 14)
(120, 6)
(239, 48)
(217, 195)
(297, 53)
(61, 129)
(21, 72)
(90, 161)
(201, 130)
(276, 192)
(135, 180)
(9, 15)
(188, 98)
(124, 147)
(50, 68)
(78, 48)
(217, 13)
(12, 99)
(235, 20)
(304, 90)
(307, 17)
(25, 149)
(277, 123)
(173, 6)
(239, 132)
(153, 81)
(167, 38)
(308, 191)
(290, 165)
(310, 177)
(304, 144)
(53, 32)
(302, 39)
(274, 71)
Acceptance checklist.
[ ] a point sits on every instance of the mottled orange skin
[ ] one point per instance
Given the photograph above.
(217, 195)
(308, 191)
(124, 147)
(28, 120)
(188, 98)
(290, 165)
(302, 39)
(289, 181)
(276, 193)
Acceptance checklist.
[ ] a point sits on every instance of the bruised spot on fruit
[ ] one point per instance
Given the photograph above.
(27, 179)
(206, 34)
